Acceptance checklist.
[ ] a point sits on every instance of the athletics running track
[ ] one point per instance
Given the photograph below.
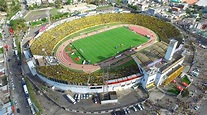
(65, 60)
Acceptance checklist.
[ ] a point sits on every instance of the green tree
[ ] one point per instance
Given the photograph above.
(0, 35)
(58, 4)
(13, 3)
(119, 1)
(200, 14)
(88, 1)
(185, 93)
(188, 11)
(69, 1)
(18, 25)
(16, 7)
(3, 6)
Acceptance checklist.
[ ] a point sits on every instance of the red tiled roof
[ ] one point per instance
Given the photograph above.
(190, 1)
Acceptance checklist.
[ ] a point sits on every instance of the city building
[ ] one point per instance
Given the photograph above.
(5, 105)
(51, 1)
(83, 8)
(192, 1)
(2, 18)
(32, 2)
(158, 67)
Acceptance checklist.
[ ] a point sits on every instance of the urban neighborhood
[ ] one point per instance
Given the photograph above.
(105, 57)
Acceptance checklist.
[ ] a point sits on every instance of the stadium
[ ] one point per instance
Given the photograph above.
(106, 52)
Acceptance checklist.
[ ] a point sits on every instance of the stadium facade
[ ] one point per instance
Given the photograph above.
(162, 70)
(158, 68)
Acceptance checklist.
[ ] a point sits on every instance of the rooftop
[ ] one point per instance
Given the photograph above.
(154, 57)
(150, 55)
(109, 96)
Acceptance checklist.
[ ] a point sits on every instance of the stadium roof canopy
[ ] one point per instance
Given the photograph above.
(154, 56)
(151, 54)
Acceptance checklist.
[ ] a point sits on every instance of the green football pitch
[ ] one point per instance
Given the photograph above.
(99, 47)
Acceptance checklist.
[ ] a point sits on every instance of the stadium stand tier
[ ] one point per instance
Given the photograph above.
(49, 40)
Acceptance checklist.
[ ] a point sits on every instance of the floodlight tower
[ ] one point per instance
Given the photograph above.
(113, 4)
(105, 78)
(48, 16)
(171, 49)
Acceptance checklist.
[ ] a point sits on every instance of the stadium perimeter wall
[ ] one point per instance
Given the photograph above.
(83, 89)
(92, 89)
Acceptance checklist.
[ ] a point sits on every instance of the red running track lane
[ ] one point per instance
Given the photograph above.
(64, 59)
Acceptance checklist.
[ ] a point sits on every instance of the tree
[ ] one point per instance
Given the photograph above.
(58, 4)
(185, 93)
(188, 11)
(16, 6)
(18, 24)
(200, 14)
(88, 1)
(96, 2)
(119, 1)
(69, 1)
(3, 6)
(13, 3)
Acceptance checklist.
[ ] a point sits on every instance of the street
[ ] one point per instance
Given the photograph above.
(14, 72)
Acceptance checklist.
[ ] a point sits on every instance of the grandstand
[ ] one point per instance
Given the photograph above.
(148, 60)
(155, 67)
(49, 39)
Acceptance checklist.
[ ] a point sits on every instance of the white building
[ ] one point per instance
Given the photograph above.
(51, 1)
(157, 66)
(31, 2)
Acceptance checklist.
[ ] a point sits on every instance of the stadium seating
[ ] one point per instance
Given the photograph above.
(51, 38)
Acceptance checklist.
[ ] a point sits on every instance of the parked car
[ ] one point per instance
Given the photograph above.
(139, 106)
(87, 95)
(205, 84)
(128, 111)
(135, 86)
(16, 103)
(18, 110)
(82, 96)
(76, 97)
(79, 97)
(96, 98)
(196, 107)
(142, 106)
(125, 111)
(134, 108)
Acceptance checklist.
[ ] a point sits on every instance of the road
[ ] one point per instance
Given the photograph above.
(14, 74)
(199, 56)
(21, 12)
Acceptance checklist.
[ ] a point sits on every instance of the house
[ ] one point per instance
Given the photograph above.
(51, 1)
(2, 18)
(110, 97)
(2, 68)
(175, 9)
(191, 1)
(143, 6)
(201, 25)
(31, 2)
